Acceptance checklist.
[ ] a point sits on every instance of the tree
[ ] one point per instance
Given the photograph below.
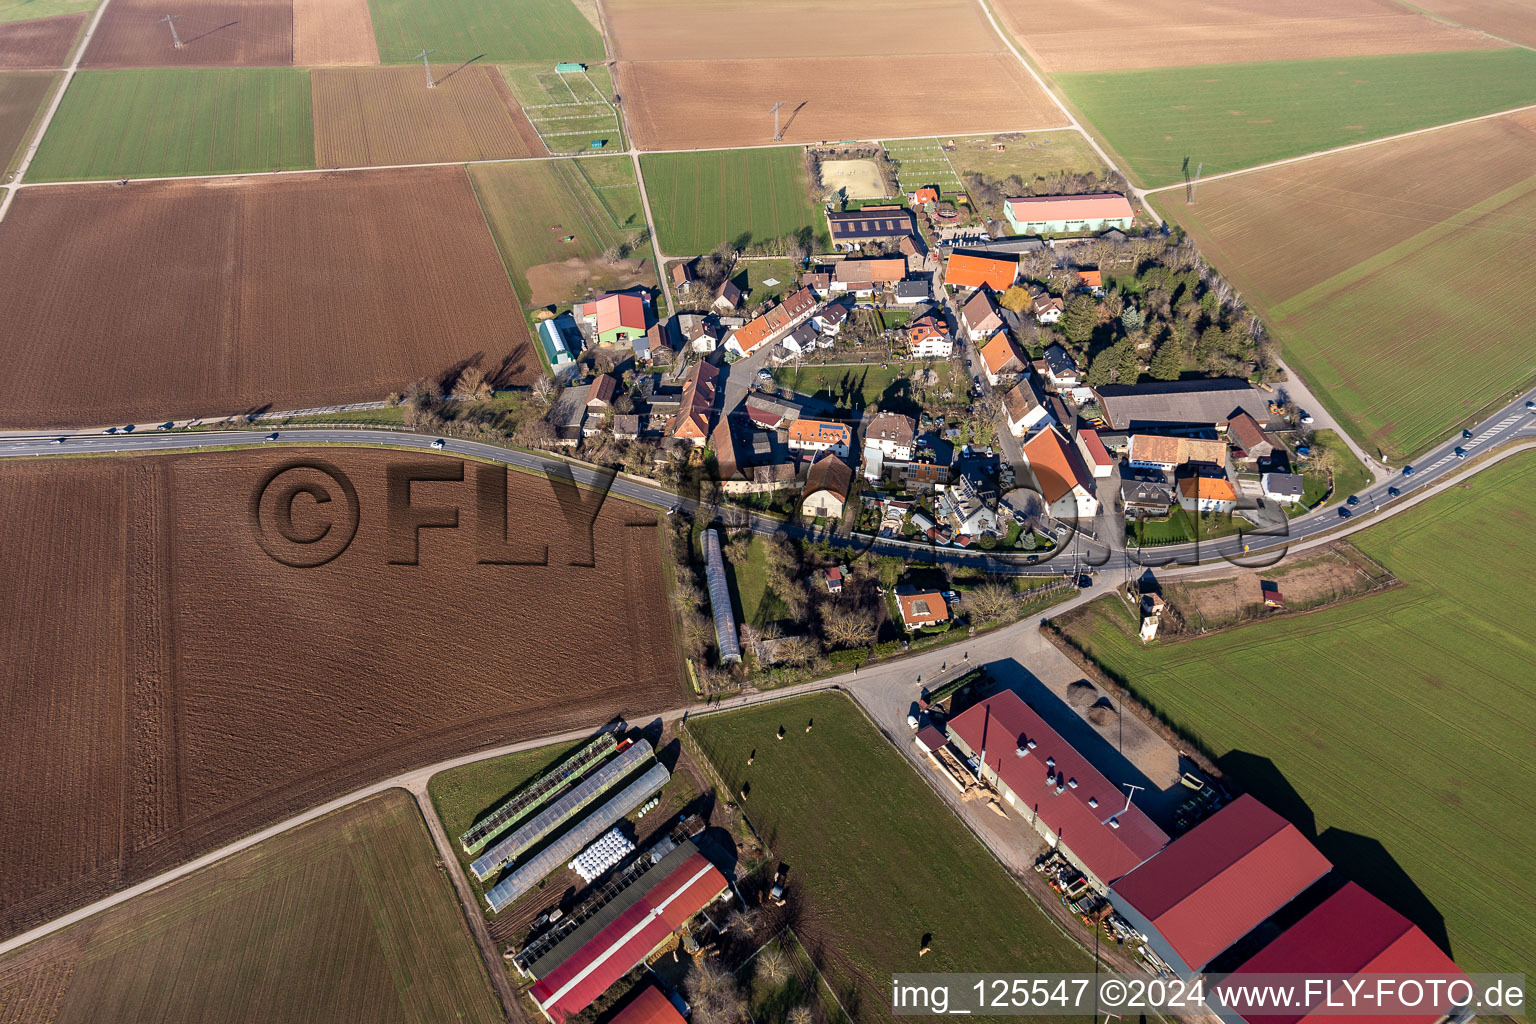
(473, 385)
(613, 253)
(845, 627)
(774, 965)
(1168, 362)
(794, 651)
(1079, 319)
(714, 995)
(799, 1015)
(544, 389)
(1128, 364)
(991, 600)
(535, 432)
(1016, 299)
(1132, 319)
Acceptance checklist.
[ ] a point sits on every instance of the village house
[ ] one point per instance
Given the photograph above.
(770, 412)
(1153, 451)
(1286, 488)
(1047, 308)
(829, 319)
(865, 277)
(826, 487)
(797, 342)
(1000, 356)
(892, 434)
(601, 392)
(772, 325)
(921, 608)
(853, 229)
(682, 275)
(968, 506)
(820, 436)
(966, 270)
(699, 332)
(1055, 215)
(1252, 441)
(925, 196)
(910, 293)
(1060, 476)
(617, 318)
(1023, 409)
(1061, 372)
(1206, 494)
(1091, 281)
(727, 297)
(692, 420)
(1100, 463)
(929, 338)
(1144, 497)
(980, 317)
(924, 477)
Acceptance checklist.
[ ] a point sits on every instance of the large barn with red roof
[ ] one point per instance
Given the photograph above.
(1215, 883)
(1055, 788)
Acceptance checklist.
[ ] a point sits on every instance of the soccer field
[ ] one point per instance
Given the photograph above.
(169, 122)
(1397, 727)
(745, 197)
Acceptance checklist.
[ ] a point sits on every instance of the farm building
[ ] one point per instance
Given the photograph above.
(1055, 788)
(617, 319)
(1252, 440)
(921, 608)
(853, 228)
(1216, 883)
(650, 1006)
(1180, 405)
(1100, 463)
(692, 420)
(720, 599)
(1055, 215)
(625, 931)
(966, 270)
(560, 340)
(1153, 451)
(1207, 494)
(538, 792)
(1352, 933)
(1060, 476)
(826, 488)
(863, 277)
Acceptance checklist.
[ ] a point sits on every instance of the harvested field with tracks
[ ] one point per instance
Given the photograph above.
(200, 730)
(1089, 35)
(649, 29)
(214, 33)
(1372, 265)
(39, 42)
(677, 104)
(347, 918)
(388, 116)
(1510, 19)
(205, 298)
(333, 32)
(21, 95)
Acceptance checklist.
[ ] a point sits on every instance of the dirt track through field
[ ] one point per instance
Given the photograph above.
(155, 718)
(204, 298)
(1511, 19)
(389, 116)
(213, 33)
(679, 104)
(1092, 35)
(38, 43)
(333, 33)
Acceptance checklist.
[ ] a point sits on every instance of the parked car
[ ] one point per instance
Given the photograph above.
(1305, 417)
(439, 444)
(1344, 513)
(1393, 492)
(1407, 471)
(128, 429)
(1530, 406)
(1461, 453)
(1352, 500)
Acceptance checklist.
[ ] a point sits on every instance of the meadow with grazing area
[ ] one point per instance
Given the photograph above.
(21, 99)
(206, 298)
(678, 104)
(875, 857)
(534, 207)
(1164, 123)
(1373, 265)
(1089, 35)
(345, 918)
(144, 585)
(388, 116)
(213, 33)
(723, 29)
(333, 32)
(171, 122)
(489, 30)
(1400, 719)
(745, 197)
(42, 43)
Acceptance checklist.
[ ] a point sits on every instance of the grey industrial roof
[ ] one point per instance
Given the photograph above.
(859, 224)
(1180, 403)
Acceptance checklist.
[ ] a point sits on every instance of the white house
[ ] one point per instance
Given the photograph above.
(930, 339)
(893, 434)
(1060, 476)
(1207, 494)
(980, 316)
(820, 436)
(829, 319)
(1286, 488)
(1023, 408)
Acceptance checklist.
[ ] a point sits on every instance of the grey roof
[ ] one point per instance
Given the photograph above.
(1060, 362)
(1146, 492)
(1180, 403)
(1014, 245)
(918, 289)
(1284, 483)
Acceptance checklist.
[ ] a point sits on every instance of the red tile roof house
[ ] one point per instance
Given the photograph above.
(1055, 789)
(1216, 883)
(920, 608)
(1351, 933)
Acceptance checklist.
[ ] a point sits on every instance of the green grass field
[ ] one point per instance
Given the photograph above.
(347, 918)
(1365, 337)
(1401, 719)
(533, 206)
(569, 111)
(170, 122)
(744, 196)
(22, 10)
(877, 861)
(490, 30)
(756, 603)
(1349, 473)
(854, 388)
(921, 162)
(1230, 116)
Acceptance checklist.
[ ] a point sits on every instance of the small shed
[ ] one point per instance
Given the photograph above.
(931, 739)
(1271, 592)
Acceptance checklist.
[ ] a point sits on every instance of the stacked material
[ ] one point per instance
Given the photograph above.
(609, 849)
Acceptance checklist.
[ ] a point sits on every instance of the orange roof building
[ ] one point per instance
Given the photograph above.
(618, 318)
(967, 271)
(1053, 215)
(820, 436)
(921, 607)
(1207, 494)
(1060, 476)
(691, 423)
(1001, 355)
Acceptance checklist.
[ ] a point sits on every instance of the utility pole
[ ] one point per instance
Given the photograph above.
(424, 63)
(776, 107)
(170, 19)
(1198, 170)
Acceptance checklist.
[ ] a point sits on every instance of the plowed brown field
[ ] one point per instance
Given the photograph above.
(203, 298)
(333, 32)
(1100, 35)
(1512, 19)
(679, 104)
(669, 30)
(152, 715)
(388, 116)
(214, 33)
(21, 94)
(40, 42)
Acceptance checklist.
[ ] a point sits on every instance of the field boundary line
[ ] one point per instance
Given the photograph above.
(1344, 149)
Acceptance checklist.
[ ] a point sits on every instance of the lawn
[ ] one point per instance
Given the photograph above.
(1230, 116)
(491, 30)
(854, 387)
(170, 122)
(753, 276)
(1397, 726)
(876, 860)
(569, 111)
(756, 603)
(347, 918)
(1349, 474)
(746, 197)
(1180, 528)
(533, 206)
(23, 10)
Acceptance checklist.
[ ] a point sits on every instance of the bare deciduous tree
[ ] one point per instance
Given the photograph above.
(473, 385)
(774, 965)
(845, 627)
(991, 600)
